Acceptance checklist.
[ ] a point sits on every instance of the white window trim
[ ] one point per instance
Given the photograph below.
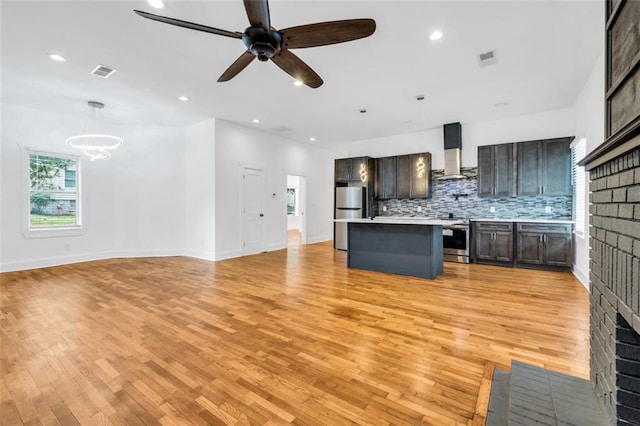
(61, 231)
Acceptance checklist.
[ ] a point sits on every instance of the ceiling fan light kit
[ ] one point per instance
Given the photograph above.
(266, 43)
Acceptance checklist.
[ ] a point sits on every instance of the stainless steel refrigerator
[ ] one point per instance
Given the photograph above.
(350, 203)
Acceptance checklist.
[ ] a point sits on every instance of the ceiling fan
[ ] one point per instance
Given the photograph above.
(265, 42)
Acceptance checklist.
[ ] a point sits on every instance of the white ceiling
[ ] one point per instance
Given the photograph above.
(545, 51)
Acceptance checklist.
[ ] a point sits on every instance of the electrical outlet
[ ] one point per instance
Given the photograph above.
(419, 208)
(492, 209)
(384, 208)
(548, 209)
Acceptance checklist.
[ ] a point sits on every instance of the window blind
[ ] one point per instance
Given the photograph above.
(578, 152)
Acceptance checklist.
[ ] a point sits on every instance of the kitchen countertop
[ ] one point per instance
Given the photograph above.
(522, 219)
(403, 221)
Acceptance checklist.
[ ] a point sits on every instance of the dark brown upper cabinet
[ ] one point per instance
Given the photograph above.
(420, 165)
(544, 167)
(496, 170)
(404, 176)
(386, 178)
(353, 169)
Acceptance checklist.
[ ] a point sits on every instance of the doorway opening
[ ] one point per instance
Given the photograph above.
(296, 206)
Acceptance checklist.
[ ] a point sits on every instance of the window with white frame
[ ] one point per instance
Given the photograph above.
(579, 177)
(54, 191)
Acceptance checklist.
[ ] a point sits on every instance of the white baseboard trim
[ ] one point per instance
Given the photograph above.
(274, 247)
(582, 276)
(67, 260)
(53, 261)
(204, 255)
(228, 255)
(319, 239)
(148, 253)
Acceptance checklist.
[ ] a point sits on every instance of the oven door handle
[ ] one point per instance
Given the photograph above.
(466, 227)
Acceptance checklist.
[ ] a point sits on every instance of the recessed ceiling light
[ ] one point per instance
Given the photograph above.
(436, 35)
(312, 139)
(57, 57)
(158, 4)
(501, 104)
(298, 83)
(255, 120)
(183, 98)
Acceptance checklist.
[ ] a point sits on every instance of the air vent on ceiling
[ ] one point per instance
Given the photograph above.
(487, 58)
(103, 71)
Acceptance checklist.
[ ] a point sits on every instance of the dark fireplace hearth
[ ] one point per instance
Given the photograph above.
(627, 373)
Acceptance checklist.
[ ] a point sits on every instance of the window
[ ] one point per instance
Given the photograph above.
(70, 178)
(578, 152)
(53, 192)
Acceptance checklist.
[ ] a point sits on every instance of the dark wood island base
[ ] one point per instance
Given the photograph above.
(405, 249)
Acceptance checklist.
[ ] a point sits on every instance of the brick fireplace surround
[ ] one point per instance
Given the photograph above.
(614, 171)
(615, 287)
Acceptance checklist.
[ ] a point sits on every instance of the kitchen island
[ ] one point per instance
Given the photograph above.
(404, 246)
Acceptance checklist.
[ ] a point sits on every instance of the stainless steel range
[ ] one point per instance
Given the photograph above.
(455, 240)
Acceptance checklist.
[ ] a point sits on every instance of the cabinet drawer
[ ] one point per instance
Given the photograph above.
(494, 226)
(546, 228)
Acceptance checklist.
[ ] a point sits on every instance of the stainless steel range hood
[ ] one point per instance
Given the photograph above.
(452, 151)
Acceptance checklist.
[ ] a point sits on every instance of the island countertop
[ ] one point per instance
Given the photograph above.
(388, 220)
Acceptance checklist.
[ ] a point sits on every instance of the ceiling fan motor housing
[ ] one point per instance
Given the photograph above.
(261, 43)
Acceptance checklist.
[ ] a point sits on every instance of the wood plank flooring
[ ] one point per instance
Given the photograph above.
(282, 337)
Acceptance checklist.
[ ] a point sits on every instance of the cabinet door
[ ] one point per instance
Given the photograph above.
(530, 248)
(486, 179)
(558, 249)
(503, 246)
(387, 175)
(484, 245)
(529, 168)
(556, 167)
(359, 169)
(503, 170)
(343, 169)
(420, 175)
(403, 176)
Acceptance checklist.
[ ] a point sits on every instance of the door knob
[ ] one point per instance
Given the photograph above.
(261, 215)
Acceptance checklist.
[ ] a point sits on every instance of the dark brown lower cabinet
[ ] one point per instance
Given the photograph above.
(544, 244)
(526, 244)
(493, 242)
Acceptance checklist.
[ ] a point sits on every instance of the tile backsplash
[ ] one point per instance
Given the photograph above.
(469, 205)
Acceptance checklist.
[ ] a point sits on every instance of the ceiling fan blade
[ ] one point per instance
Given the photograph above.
(240, 64)
(258, 13)
(190, 25)
(297, 69)
(324, 33)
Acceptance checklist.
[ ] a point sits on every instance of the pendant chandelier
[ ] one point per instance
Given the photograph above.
(94, 145)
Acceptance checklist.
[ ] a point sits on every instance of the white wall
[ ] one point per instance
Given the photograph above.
(589, 124)
(149, 197)
(200, 190)
(236, 145)
(542, 125)
(132, 205)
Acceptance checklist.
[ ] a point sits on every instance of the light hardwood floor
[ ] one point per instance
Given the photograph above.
(281, 337)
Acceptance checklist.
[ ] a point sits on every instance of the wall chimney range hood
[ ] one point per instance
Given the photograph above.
(452, 151)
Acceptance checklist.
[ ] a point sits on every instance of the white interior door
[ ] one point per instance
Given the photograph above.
(252, 211)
